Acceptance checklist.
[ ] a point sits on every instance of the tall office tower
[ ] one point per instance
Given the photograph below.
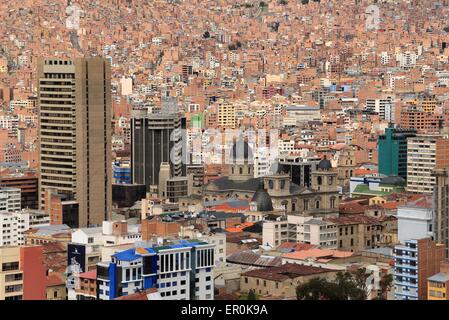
(156, 138)
(414, 262)
(424, 154)
(75, 135)
(392, 148)
(441, 207)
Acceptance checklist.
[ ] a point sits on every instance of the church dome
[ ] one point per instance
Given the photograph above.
(324, 165)
(262, 199)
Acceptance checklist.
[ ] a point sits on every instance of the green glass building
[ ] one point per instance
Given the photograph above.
(392, 148)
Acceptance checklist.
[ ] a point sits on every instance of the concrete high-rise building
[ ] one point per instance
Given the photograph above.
(28, 184)
(9, 199)
(22, 273)
(424, 154)
(414, 262)
(392, 148)
(385, 107)
(75, 134)
(156, 138)
(226, 115)
(441, 208)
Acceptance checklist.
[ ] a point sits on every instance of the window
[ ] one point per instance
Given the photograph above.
(246, 279)
(282, 184)
(352, 242)
(127, 276)
(10, 266)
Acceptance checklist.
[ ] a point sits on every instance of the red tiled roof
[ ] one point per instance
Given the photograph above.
(317, 253)
(92, 275)
(351, 208)
(285, 272)
(54, 279)
(353, 219)
(296, 246)
(138, 295)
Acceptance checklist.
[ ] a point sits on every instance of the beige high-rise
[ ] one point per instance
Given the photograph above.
(75, 134)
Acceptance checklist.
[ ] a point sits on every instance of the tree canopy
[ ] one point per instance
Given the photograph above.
(346, 286)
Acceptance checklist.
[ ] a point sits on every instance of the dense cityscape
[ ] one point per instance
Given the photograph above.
(224, 150)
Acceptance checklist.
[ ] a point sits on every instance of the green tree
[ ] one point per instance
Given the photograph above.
(317, 289)
(385, 284)
(346, 286)
(360, 277)
(251, 295)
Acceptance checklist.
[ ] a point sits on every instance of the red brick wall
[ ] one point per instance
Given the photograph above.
(31, 260)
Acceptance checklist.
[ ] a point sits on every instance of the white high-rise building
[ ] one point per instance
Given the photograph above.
(10, 199)
(407, 59)
(424, 152)
(14, 224)
(385, 107)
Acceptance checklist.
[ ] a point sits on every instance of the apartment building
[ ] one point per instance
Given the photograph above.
(22, 273)
(180, 271)
(414, 262)
(385, 107)
(10, 199)
(440, 207)
(13, 225)
(28, 184)
(424, 154)
(226, 116)
(291, 228)
(438, 284)
(416, 219)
